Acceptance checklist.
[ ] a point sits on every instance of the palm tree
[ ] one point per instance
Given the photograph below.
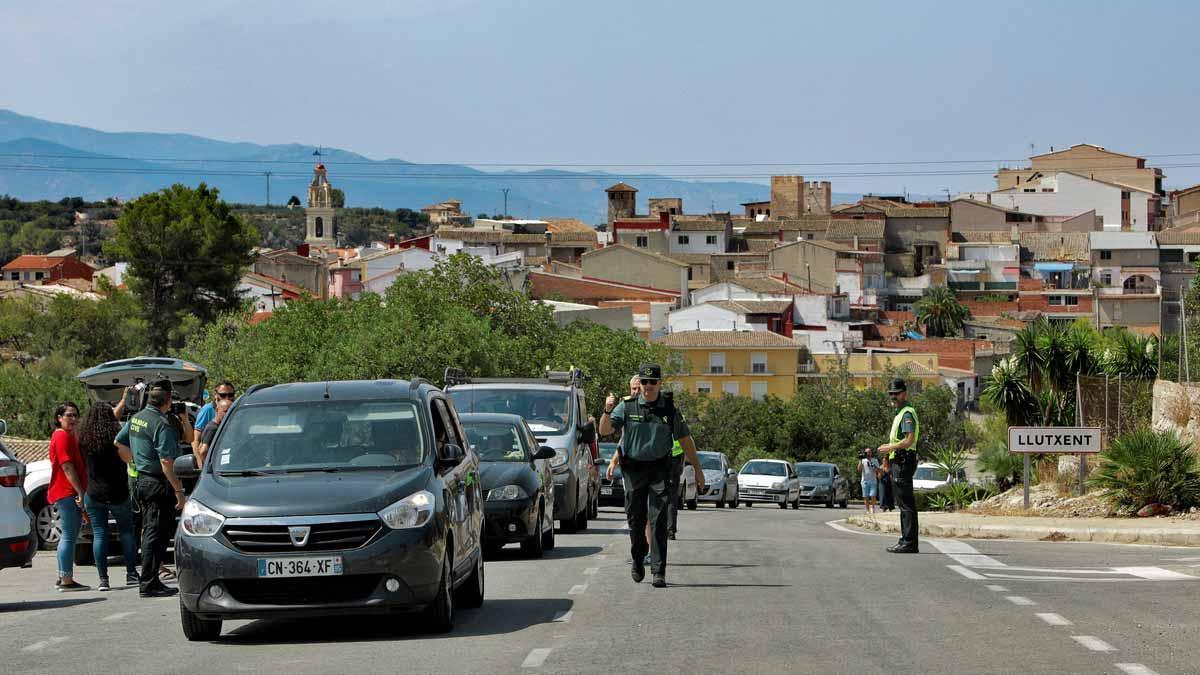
(1132, 356)
(1008, 390)
(941, 312)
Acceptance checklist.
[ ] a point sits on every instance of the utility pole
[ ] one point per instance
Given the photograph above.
(505, 191)
(268, 175)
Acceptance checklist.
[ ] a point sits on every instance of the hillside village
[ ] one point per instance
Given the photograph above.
(790, 289)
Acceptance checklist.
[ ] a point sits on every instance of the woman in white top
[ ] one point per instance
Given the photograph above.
(868, 468)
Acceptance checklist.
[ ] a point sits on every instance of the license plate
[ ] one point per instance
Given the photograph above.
(606, 490)
(326, 566)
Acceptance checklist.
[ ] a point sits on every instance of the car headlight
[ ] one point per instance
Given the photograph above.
(413, 511)
(197, 520)
(506, 493)
(560, 458)
(777, 485)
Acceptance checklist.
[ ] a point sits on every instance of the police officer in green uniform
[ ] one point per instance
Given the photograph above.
(151, 438)
(900, 454)
(649, 425)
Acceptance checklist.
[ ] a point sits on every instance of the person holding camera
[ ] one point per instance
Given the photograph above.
(868, 468)
(152, 439)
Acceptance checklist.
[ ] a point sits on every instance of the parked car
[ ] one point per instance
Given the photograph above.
(720, 481)
(18, 543)
(555, 409)
(769, 480)
(515, 478)
(687, 487)
(821, 482)
(333, 498)
(107, 382)
(612, 492)
(931, 477)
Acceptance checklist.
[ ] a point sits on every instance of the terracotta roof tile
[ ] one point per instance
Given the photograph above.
(621, 187)
(721, 338)
(1056, 246)
(699, 224)
(753, 306)
(848, 229)
(917, 212)
(803, 224)
(1180, 235)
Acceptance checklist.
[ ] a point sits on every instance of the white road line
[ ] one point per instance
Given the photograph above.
(563, 617)
(966, 572)
(1134, 669)
(602, 556)
(1054, 619)
(536, 658)
(1155, 573)
(577, 589)
(118, 616)
(964, 553)
(1093, 643)
(1020, 600)
(1020, 577)
(38, 646)
(591, 570)
(837, 525)
(1195, 558)
(995, 588)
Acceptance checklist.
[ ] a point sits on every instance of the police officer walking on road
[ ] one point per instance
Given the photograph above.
(649, 425)
(151, 438)
(900, 456)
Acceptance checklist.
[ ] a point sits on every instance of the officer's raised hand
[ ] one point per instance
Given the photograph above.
(610, 402)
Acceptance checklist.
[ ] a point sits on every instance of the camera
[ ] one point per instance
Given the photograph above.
(178, 408)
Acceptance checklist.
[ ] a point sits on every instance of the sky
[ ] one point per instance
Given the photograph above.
(803, 85)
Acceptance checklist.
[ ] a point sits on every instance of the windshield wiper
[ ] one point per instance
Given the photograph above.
(315, 469)
(249, 472)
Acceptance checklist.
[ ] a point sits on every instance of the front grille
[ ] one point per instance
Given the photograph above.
(302, 591)
(322, 537)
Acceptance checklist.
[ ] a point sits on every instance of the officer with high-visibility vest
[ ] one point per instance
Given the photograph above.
(676, 479)
(900, 458)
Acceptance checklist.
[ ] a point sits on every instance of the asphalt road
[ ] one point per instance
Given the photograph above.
(751, 591)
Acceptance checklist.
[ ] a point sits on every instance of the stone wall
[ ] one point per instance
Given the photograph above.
(1177, 408)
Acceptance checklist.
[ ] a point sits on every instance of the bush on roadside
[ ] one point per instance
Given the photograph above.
(953, 497)
(1149, 467)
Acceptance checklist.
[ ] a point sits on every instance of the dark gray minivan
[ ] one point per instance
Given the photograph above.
(333, 498)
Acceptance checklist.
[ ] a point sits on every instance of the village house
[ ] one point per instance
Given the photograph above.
(740, 363)
(53, 267)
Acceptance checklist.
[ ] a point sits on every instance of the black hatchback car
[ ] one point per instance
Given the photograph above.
(333, 498)
(518, 488)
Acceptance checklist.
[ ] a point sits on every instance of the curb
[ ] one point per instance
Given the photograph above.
(1144, 536)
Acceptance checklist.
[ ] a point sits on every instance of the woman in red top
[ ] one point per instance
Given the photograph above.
(68, 485)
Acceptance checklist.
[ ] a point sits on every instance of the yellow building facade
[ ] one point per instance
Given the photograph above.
(742, 363)
(873, 369)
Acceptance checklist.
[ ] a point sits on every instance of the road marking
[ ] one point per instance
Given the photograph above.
(997, 589)
(1020, 600)
(1093, 643)
(577, 589)
(1155, 573)
(536, 658)
(1134, 669)
(602, 556)
(966, 572)
(118, 616)
(1195, 558)
(591, 570)
(563, 617)
(964, 553)
(1054, 619)
(38, 646)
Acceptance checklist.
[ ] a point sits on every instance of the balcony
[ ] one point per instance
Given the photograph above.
(983, 285)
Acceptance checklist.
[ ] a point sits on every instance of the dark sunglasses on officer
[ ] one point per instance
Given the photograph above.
(647, 381)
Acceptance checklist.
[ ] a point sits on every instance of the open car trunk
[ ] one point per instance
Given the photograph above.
(107, 381)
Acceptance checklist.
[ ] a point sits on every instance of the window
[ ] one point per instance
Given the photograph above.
(1030, 190)
(1071, 300)
(1193, 257)
(1124, 194)
(14, 276)
(1170, 255)
(758, 390)
(1055, 299)
(716, 362)
(758, 362)
(704, 387)
(1106, 255)
(1106, 278)
(684, 239)
(711, 240)
(39, 275)
(1045, 190)
(319, 228)
(689, 274)
(729, 264)
(642, 241)
(730, 388)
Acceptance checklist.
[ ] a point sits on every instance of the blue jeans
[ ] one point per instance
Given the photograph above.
(98, 512)
(70, 517)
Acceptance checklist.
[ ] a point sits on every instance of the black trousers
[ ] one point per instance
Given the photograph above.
(157, 501)
(674, 483)
(902, 479)
(647, 495)
(887, 500)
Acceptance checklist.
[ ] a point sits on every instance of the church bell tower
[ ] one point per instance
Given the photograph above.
(320, 216)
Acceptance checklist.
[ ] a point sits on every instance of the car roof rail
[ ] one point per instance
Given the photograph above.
(454, 376)
(416, 382)
(258, 387)
(572, 375)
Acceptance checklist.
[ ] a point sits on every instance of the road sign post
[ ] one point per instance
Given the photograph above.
(1080, 441)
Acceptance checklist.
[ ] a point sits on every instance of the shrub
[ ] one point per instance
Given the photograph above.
(1149, 467)
(952, 497)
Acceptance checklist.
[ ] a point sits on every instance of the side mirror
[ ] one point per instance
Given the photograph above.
(185, 464)
(544, 452)
(3, 427)
(451, 455)
(587, 433)
(730, 472)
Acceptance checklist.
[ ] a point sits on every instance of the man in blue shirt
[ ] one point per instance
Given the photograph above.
(225, 390)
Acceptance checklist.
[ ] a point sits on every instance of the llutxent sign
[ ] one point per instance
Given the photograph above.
(1054, 440)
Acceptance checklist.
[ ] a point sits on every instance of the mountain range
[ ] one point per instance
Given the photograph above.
(40, 159)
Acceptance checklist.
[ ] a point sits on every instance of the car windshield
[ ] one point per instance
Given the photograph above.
(764, 468)
(811, 471)
(710, 462)
(607, 450)
(929, 473)
(324, 436)
(496, 442)
(546, 411)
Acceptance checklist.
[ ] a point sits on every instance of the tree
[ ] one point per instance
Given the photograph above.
(186, 252)
(293, 201)
(941, 312)
(338, 198)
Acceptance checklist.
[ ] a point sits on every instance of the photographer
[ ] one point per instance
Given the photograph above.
(151, 437)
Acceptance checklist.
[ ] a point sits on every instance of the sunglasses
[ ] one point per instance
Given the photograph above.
(649, 381)
(70, 414)
(224, 394)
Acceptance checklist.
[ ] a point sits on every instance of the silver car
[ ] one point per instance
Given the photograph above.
(720, 481)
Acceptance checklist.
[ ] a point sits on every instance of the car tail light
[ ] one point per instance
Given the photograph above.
(10, 473)
(19, 546)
